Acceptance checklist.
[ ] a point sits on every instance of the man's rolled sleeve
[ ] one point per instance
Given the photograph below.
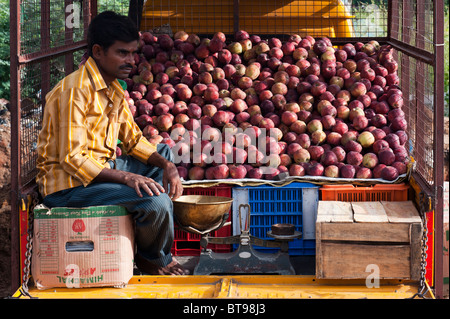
(88, 170)
(143, 150)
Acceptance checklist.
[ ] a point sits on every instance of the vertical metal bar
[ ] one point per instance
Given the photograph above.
(68, 39)
(439, 142)
(86, 17)
(389, 17)
(420, 24)
(14, 25)
(405, 65)
(45, 46)
(420, 78)
(406, 21)
(393, 20)
(236, 16)
(93, 9)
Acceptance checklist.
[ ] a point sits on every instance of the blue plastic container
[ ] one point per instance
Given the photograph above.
(295, 203)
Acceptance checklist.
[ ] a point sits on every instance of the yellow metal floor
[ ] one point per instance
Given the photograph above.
(246, 286)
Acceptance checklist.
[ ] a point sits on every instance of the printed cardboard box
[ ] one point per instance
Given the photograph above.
(82, 247)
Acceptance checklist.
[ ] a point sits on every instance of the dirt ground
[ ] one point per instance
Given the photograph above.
(446, 149)
(5, 189)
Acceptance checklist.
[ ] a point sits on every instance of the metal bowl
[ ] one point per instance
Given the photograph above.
(200, 211)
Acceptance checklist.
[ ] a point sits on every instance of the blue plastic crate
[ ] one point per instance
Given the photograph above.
(295, 203)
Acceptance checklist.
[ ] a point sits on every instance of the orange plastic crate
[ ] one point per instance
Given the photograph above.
(378, 192)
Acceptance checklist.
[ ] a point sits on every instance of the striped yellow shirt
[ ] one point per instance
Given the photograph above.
(83, 119)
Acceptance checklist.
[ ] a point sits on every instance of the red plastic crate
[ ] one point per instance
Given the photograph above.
(187, 244)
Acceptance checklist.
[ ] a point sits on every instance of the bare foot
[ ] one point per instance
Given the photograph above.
(172, 269)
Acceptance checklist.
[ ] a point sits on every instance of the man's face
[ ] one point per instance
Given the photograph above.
(117, 61)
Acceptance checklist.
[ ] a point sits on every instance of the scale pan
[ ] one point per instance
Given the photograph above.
(200, 211)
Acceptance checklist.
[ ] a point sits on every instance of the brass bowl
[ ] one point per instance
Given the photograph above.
(200, 211)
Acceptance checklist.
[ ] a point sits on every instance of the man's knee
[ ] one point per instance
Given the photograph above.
(158, 207)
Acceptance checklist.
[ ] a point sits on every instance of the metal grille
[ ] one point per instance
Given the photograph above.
(269, 17)
(51, 24)
(31, 111)
(412, 32)
(30, 118)
(191, 16)
(47, 28)
(315, 18)
(119, 6)
(370, 18)
(417, 83)
(412, 23)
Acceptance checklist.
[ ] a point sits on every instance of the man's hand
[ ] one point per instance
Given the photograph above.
(172, 178)
(139, 182)
(132, 180)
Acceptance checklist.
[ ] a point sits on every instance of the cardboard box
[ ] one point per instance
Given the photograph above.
(82, 247)
(355, 240)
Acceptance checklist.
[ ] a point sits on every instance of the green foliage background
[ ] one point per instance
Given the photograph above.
(4, 49)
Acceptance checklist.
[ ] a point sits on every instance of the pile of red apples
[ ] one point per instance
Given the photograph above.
(249, 107)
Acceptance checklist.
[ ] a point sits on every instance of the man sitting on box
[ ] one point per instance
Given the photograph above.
(84, 116)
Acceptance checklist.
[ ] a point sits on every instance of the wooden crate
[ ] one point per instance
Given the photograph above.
(352, 236)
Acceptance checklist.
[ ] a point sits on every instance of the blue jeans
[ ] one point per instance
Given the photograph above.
(153, 215)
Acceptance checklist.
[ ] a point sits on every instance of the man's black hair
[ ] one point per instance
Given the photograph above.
(109, 27)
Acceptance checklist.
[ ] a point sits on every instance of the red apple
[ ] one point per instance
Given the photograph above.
(364, 172)
(389, 173)
(386, 156)
(237, 171)
(296, 170)
(328, 158)
(255, 173)
(354, 158)
(301, 156)
(360, 122)
(315, 169)
(377, 170)
(400, 167)
(196, 173)
(221, 171)
(316, 152)
(220, 118)
(288, 117)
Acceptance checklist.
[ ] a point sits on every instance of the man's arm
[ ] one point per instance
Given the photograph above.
(132, 180)
(171, 178)
(138, 146)
(73, 136)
